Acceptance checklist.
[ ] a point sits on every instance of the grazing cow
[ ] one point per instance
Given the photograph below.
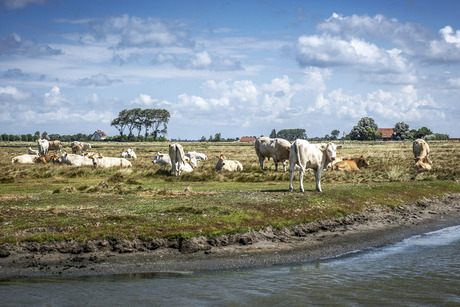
(43, 146)
(24, 159)
(47, 158)
(421, 150)
(56, 146)
(31, 151)
(128, 154)
(197, 155)
(162, 159)
(75, 160)
(228, 165)
(277, 149)
(314, 156)
(176, 154)
(104, 162)
(349, 165)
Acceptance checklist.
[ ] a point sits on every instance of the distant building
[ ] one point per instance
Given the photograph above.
(387, 133)
(99, 135)
(248, 139)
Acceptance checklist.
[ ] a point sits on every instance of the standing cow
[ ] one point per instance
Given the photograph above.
(56, 146)
(177, 156)
(421, 150)
(43, 146)
(277, 149)
(314, 156)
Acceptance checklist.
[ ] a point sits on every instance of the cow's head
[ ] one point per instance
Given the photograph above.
(330, 150)
(362, 162)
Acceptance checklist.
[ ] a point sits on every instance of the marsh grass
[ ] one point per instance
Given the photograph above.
(54, 202)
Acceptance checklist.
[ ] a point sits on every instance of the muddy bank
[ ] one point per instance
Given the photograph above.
(306, 242)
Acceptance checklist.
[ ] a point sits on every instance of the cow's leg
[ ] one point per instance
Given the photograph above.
(276, 165)
(318, 179)
(261, 162)
(291, 176)
(301, 181)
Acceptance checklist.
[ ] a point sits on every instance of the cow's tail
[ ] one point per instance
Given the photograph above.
(297, 153)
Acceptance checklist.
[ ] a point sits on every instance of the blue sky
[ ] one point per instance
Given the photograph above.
(231, 67)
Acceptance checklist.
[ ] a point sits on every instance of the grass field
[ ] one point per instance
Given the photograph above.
(52, 202)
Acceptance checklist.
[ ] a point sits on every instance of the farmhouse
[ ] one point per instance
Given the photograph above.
(99, 135)
(248, 139)
(387, 133)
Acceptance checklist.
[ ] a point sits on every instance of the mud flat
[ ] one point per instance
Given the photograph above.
(300, 243)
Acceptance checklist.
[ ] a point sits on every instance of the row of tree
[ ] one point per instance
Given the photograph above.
(153, 121)
(33, 138)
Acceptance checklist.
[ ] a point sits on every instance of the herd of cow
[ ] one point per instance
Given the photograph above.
(301, 156)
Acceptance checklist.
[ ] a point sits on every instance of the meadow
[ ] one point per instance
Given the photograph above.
(53, 202)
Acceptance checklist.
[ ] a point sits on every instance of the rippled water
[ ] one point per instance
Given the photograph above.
(419, 271)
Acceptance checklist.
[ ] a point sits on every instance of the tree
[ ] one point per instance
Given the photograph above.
(420, 133)
(401, 132)
(365, 130)
(218, 137)
(273, 134)
(292, 134)
(335, 134)
(121, 121)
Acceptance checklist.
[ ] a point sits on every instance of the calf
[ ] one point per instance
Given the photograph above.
(421, 151)
(349, 165)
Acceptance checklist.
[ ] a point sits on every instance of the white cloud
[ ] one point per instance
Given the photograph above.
(14, 44)
(54, 97)
(97, 80)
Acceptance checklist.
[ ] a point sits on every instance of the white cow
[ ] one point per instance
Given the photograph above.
(162, 159)
(277, 149)
(176, 154)
(128, 154)
(75, 160)
(24, 159)
(197, 155)
(228, 165)
(314, 156)
(104, 162)
(43, 146)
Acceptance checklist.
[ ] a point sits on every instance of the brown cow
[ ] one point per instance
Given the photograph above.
(47, 158)
(56, 146)
(349, 165)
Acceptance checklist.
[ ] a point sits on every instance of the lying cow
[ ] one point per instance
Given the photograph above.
(43, 146)
(75, 160)
(47, 158)
(228, 165)
(176, 154)
(55, 145)
(277, 149)
(349, 165)
(24, 159)
(104, 162)
(128, 154)
(162, 159)
(421, 151)
(314, 156)
(197, 155)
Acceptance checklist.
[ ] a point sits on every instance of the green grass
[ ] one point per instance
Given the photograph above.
(48, 203)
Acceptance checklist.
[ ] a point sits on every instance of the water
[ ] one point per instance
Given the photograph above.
(419, 271)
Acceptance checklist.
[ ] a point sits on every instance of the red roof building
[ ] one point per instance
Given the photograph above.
(387, 133)
(248, 139)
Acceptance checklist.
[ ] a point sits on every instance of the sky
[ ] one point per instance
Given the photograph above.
(239, 68)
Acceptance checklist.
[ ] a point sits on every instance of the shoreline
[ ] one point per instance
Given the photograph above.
(302, 243)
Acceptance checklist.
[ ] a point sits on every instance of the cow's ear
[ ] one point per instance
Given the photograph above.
(323, 146)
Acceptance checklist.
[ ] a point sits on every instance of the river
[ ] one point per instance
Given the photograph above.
(419, 271)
